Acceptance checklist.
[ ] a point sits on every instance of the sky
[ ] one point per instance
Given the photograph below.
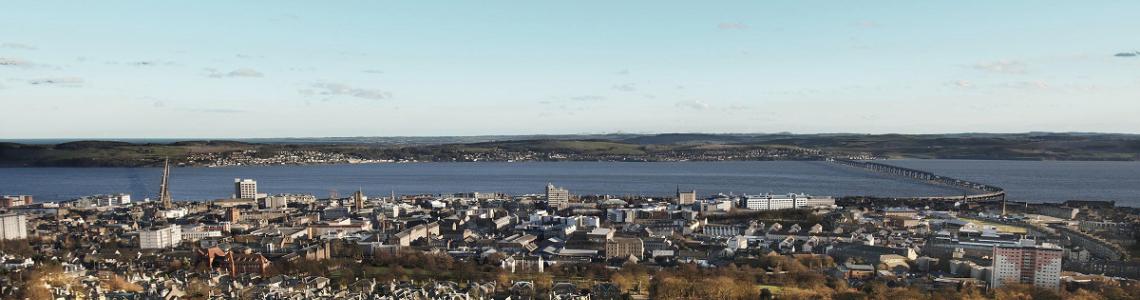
(233, 69)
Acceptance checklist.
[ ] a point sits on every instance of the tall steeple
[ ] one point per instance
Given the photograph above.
(358, 199)
(164, 189)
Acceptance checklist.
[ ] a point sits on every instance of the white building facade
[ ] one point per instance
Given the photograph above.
(245, 188)
(787, 201)
(13, 227)
(161, 238)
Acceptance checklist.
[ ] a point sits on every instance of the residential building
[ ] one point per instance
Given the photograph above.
(233, 215)
(245, 188)
(557, 197)
(13, 227)
(1027, 263)
(160, 238)
(10, 201)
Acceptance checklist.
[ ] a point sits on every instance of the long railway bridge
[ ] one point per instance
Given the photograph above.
(976, 191)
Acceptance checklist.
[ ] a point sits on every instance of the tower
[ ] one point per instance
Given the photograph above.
(358, 200)
(164, 189)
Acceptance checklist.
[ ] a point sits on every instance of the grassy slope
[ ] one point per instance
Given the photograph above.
(978, 146)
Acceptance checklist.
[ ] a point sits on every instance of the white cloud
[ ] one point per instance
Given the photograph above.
(245, 72)
(962, 83)
(628, 87)
(732, 26)
(148, 63)
(1002, 66)
(588, 98)
(58, 81)
(14, 62)
(695, 104)
(1029, 85)
(338, 89)
(17, 46)
(867, 24)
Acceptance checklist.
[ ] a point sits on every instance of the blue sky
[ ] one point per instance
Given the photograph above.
(223, 69)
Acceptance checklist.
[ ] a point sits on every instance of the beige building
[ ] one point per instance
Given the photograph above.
(685, 198)
(557, 197)
(9, 201)
(624, 247)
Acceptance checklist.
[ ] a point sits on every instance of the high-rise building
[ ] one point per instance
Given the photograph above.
(1029, 263)
(557, 197)
(13, 227)
(160, 238)
(685, 198)
(9, 201)
(245, 188)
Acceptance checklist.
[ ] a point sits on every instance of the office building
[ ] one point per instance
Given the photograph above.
(788, 201)
(113, 200)
(13, 227)
(557, 197)
(1028, 263)
(160, 238)
(245, 188)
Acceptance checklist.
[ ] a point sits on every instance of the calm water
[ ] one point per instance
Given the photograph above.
(1036, 181)
(1045, 181)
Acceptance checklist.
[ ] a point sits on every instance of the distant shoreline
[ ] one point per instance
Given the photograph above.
(611, 148)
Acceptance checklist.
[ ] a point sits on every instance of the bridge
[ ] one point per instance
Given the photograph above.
(976, 191)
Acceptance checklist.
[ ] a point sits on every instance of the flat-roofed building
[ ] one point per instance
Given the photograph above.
(10, 201)
(557, 197)
(160, 238)
(685, 198)
(625, 247)
(1027, 263)
(245, 188)
(13, 227)
(786, 201)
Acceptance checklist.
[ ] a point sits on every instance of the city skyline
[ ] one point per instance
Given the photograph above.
(293, 69)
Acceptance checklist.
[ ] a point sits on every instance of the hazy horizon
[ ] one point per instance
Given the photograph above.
(52, 140)
(278, 69)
